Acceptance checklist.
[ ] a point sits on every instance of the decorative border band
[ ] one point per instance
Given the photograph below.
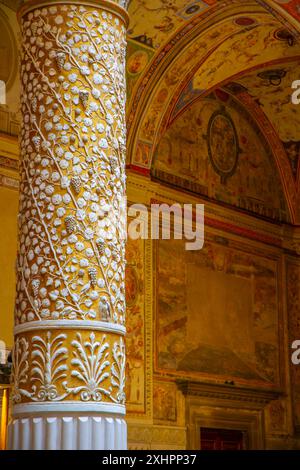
(71, 324)
(68, 407)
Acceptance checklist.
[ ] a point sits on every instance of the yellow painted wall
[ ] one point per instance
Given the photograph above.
(8, 247)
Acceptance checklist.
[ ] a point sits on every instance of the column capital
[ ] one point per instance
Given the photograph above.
(118, 7)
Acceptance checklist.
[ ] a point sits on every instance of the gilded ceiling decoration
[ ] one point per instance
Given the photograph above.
(152, 23)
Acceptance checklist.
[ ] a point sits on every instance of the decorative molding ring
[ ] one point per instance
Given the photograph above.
(70, 325)
(68, 407)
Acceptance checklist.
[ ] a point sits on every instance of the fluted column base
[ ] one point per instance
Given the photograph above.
(69, 432)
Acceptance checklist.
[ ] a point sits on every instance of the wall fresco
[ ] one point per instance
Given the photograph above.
(135, 340)
(217, 312)
(164, 402)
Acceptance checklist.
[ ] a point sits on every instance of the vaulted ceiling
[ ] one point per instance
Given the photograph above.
(180, 51)
(245, 51)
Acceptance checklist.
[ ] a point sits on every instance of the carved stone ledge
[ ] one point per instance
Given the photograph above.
(227, 392)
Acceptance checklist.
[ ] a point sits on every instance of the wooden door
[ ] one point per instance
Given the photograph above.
(222, 439)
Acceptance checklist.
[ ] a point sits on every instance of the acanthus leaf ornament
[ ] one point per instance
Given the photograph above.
(48, 366)
(20, 368)
(118, 370)
(91, 363)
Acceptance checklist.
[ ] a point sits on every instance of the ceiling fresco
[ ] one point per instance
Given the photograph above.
(213, 57)
(153, 22)
(176, 58)
(233, 58)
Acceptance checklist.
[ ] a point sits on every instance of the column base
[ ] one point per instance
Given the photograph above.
(71, 432)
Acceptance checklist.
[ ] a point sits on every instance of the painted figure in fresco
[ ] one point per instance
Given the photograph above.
(166, 25)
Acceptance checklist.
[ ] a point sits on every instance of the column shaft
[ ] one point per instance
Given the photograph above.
(69, 355)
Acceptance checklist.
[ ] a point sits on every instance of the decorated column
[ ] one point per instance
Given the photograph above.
(69, 357)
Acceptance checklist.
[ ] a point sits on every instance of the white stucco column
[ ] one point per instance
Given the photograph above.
(69, 355)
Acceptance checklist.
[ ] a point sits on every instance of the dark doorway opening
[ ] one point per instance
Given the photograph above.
(222, 439)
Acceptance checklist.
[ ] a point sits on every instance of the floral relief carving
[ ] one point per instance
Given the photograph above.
(91, 363)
